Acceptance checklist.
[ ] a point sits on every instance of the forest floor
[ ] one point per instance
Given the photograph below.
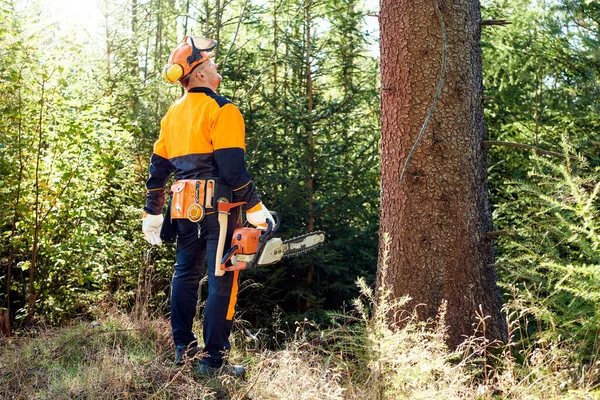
(118, 356)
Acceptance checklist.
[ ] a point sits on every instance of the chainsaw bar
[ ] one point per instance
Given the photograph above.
(303, 243)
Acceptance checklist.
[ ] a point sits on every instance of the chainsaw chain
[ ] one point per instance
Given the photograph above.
(302, 251)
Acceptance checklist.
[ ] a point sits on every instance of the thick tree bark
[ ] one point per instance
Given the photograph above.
(439, 218)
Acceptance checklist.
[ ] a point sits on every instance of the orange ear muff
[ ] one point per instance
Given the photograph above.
(172, 72)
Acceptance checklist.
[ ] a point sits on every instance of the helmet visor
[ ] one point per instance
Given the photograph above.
(200, 48)
(200, 43)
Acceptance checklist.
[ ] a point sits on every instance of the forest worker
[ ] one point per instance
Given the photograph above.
(202, 140)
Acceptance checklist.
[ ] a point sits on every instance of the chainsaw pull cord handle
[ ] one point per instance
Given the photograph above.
(262, 241)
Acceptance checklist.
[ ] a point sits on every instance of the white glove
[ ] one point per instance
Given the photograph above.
(151, 225)
(258, 216)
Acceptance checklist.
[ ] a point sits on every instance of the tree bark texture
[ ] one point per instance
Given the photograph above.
(439, 218)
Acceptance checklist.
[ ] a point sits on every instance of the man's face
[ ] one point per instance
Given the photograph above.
(209, 70)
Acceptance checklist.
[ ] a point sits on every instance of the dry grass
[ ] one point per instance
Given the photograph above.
(360, 356)
(124, 358)
(116, 358)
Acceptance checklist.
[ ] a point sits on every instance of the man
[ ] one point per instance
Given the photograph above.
(202, 140)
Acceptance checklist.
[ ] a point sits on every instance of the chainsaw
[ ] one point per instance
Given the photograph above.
(253, 247)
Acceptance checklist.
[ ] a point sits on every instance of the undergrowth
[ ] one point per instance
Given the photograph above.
(360, 355)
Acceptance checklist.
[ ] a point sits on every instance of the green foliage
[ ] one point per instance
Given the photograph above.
(82, 110)
(553, 261)
(71, 199)
(542, 81)
(326, 133)
(542, 75)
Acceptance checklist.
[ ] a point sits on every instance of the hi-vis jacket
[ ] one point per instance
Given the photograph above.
(202, 135)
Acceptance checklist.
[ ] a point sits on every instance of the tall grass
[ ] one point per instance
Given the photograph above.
(360, 355)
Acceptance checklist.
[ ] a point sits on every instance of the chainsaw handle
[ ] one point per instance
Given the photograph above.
(230, 253)
(272, 228)
(267, 232)
(227, 257)
(262, 240)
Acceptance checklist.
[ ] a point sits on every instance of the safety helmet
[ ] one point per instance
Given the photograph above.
(193, 51)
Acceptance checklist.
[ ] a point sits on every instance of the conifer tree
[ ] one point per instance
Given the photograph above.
(435, 207)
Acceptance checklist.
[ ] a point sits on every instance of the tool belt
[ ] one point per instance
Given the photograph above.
(193, 198)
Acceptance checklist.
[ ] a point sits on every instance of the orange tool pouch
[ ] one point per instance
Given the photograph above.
(188, 199)
(193, 198)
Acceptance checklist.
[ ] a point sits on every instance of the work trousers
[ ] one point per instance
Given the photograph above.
(194, 248)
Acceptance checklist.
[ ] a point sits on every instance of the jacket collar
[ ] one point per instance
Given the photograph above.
(201, 90)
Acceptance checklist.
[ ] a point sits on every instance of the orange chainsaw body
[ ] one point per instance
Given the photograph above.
(244, 246)
(253, 247)
(246, 239)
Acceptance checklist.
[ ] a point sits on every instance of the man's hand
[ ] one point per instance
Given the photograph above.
(151, 225)
(258, 216)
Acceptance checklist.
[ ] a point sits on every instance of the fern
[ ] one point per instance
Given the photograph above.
(553, 260)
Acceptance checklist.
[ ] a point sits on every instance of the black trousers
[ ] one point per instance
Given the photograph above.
(194, 248)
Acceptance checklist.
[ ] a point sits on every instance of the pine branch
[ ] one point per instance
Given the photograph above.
(500, 233)
(527, 147)
(494, 22)
(498, 266)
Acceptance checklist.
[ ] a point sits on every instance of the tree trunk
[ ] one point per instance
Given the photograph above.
(37, 212)
(438, 219)
(207, 30)
(186, 18)
(108, 41)
(218, 17)
(309, 129)
(5, 325)
(275, 44)
(134, 39)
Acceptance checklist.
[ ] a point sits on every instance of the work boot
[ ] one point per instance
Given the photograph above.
(236, 371)
(181, 356)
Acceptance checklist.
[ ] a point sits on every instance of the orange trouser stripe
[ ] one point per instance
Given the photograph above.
(233, 297)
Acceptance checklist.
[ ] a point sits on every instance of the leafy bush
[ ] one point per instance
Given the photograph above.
(552, 261)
